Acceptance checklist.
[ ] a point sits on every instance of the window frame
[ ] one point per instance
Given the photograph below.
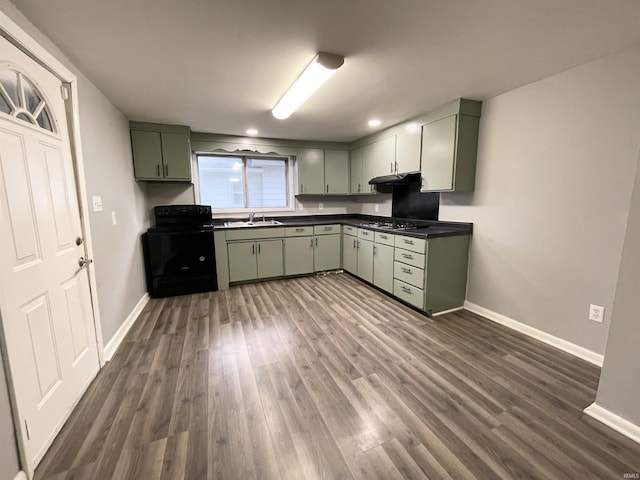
(244, 156)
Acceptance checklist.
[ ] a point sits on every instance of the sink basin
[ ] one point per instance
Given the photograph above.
(258, 223)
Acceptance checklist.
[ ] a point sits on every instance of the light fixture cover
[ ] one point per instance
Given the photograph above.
(317, 72)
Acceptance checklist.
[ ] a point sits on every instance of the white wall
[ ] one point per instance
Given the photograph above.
(619, 388)
(109, 172)
(555, 167)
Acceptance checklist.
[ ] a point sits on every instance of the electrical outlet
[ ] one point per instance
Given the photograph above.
(596, 313)
(376, 208)
(320, 206)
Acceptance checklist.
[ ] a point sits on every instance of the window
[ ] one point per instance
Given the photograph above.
(21, 99)
(232, 182)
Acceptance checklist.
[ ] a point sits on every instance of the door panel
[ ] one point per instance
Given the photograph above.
(365, 260)
(270, 259)
(242, 261)
(45, 302)
(298, 255)
(327, 253)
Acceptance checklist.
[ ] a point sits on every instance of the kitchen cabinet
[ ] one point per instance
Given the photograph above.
(298, 258)
(252, 260)
(323, 171)
(350, 248)
(326, 255)
(408, 147)
(385, 156)
(448, 158)
(383, 266)
(161, 152)
(336, 172)
(355, 171)
(364, 266)
(368, 167)
(311, 171)
(409, 270)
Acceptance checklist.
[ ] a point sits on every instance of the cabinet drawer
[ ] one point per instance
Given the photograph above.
(326, 229)
(411, 258)
(298, 231)
(409, 293)
(349, 230)
(409, 274)
(254, 233)
(417, 245)
(368, 234)
(384, 238)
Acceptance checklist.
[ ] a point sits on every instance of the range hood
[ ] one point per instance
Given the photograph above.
(399, 179)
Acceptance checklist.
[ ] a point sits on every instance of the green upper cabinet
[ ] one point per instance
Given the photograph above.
(355, 171)
(362, 168)
(385, 156)
(323, 171)
(408, 145)
(368, 167)
(449, 149)
(336, 171)
(311, 171)
(161, 152)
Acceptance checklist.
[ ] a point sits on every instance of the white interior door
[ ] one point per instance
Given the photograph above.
(45, 304)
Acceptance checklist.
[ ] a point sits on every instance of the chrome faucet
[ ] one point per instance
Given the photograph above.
(251, 215)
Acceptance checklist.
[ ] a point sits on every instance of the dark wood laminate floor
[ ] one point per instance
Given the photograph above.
(324, 377)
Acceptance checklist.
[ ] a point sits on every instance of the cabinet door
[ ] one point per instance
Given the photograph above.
(365, 260)
(298, 255)
(336, 171)
(408, 144)
(176, 156)
(242, 261)
(355, 171)
(383, 266)
(147, 154)
(327, 252)
(385, 153)
(368, 167)
(438, 155)
(311, 170)
(350, 253)
(270, 258)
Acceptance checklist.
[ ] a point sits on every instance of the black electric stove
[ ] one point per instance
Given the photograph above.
(179, 251)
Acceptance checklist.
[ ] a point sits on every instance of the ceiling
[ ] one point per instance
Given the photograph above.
(220, 66)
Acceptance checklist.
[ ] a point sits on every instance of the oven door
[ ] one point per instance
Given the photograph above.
(180, 261)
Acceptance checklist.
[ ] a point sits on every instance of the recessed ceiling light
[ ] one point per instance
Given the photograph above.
(252, 131)
(374, 123)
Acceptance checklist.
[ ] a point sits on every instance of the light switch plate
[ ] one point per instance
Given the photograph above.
(113, 218)
(96, 201)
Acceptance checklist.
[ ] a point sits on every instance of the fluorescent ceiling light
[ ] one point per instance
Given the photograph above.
(374, 123)
(252, 131)
(317, 72)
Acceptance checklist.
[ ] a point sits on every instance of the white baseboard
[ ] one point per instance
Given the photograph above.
(616, 422)
(559, 343)
(444, 312)
(111, 347)
(20, 476)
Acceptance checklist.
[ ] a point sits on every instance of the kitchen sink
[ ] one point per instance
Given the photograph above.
(257, 223)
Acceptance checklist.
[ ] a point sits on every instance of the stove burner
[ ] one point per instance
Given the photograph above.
(395, 225)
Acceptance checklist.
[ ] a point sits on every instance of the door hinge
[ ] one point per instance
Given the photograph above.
(64, 91)
(26, 427)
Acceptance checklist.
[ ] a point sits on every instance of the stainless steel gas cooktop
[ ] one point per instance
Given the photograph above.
(395, 225)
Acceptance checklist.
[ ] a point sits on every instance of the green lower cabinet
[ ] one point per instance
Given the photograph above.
(326, 255)
(270, 258)
(383, 267)
(350, 254)
(242, 261)
(298, 255)
(365, 260)
(252, 260)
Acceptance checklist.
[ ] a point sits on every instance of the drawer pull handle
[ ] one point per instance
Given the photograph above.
(328, 229)
(408, 242)
(409, 257)
(384, 237)
(406, 289)
(299, 229)
(354, 243)
(406, 270)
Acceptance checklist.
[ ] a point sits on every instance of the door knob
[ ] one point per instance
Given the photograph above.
(83, 262)
(79, 240)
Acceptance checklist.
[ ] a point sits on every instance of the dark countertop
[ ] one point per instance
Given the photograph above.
(426, 228)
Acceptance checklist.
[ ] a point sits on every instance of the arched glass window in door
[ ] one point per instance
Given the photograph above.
(21, 99)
